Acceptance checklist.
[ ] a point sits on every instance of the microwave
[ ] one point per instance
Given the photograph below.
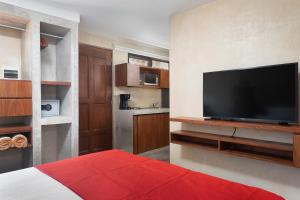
(149, 78)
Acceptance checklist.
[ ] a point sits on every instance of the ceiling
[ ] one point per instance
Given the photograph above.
(141, 20)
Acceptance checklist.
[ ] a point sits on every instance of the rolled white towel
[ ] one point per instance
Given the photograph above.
(5, 143)
(19, 141)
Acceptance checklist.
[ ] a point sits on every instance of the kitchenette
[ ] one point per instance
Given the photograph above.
(142, 128)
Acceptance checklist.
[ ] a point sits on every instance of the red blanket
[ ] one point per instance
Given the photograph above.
(114, 175)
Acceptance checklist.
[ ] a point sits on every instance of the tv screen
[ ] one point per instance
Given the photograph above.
(267, 94)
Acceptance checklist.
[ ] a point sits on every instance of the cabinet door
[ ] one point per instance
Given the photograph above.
(163, 130)
(127, 75)
(133, 75)
(146, 132)
(15, 89)
(150, 132)
(15, 107)
(164, 78)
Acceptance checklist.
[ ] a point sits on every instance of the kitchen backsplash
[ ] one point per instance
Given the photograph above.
(140, 97)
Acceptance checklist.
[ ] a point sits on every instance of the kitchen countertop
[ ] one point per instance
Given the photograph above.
(146, 111)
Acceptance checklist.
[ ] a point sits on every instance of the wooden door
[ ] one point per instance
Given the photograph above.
(95, 99)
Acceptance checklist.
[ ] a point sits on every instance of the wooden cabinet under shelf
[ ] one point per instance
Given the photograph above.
(15, 98)
(15, 107)
(150, 132)
(128, 75)
(15, 89)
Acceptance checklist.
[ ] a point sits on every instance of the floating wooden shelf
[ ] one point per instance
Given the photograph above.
(15, 148)
(238, 140)
(56, 83)
(13, 129)
(248, 125)
(282, 153)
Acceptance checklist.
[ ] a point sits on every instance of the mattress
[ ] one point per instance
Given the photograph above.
(114, 175)
(32, 184)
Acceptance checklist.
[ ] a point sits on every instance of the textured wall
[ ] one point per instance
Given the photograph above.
(11, 54)
(228, 34)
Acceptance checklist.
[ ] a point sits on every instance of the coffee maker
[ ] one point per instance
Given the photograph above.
(124, 101)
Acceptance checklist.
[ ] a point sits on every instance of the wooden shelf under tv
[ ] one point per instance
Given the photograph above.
(295, 129)
(281, 153)
(261, 150)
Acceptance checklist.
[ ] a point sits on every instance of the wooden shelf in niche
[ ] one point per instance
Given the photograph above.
(14, 129)
(56, 83)
(15, 148)
(281, 153)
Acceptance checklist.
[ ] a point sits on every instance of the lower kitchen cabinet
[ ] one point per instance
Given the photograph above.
(150, 132)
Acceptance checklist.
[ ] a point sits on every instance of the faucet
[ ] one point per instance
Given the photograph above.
(155, 105)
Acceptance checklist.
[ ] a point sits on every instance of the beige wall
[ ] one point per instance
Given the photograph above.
(228, 34)
(11, 51)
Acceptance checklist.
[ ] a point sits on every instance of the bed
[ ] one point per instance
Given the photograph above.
(114, 175)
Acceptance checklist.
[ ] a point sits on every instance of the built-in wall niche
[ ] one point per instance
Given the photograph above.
(56, 142)
(63, 94)
(55, 54)
(14, 42)
(16, 158)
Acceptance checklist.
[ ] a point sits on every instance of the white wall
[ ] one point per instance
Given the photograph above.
(11, 53)
(45, 8)
(229, 34)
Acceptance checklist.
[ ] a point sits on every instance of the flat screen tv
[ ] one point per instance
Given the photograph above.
(263, 94)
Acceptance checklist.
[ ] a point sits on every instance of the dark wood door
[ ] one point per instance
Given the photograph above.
(95, 99)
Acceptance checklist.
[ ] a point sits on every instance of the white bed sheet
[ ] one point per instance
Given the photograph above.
(31, 184)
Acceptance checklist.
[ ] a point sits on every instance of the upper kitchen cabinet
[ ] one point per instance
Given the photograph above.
(127, 75)
(131, 75)
(164, 78)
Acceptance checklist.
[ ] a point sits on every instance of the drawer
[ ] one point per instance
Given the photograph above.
(15, 107)
(15, 89)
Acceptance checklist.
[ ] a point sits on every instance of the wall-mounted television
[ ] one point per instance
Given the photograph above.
(263, 94)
